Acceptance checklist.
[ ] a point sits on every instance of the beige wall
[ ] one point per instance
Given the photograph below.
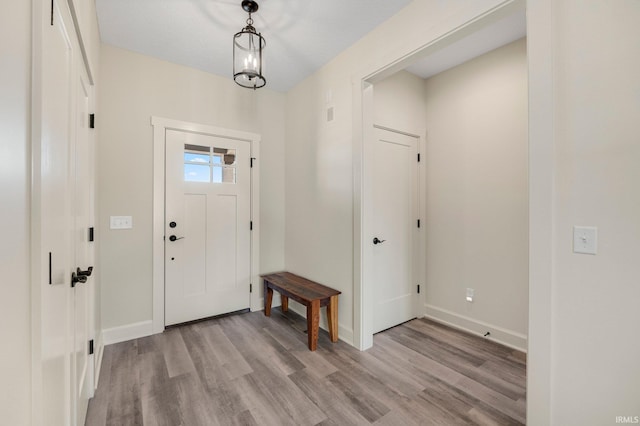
(134, 88)
(594, 339)
(320, 174)
(399, 103)
(318, 192)
(476, 218)
(584, 151)
(15, 302)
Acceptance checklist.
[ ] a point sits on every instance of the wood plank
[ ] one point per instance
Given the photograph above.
(175, 352)
(315, 364)
(250, 369)
(280, 395)
(332, 318)
(268, 298)
(228, 358)
(369, 407)
(254, 345)
(195, 404)
(424, 369)
(297, 286)
(245, 418)
(99, 404)
(325, 396)
(125, 405)
(464, 362)
(158, 395)
(313, 323)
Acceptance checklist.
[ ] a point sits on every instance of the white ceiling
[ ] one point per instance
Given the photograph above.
(301, 36)
(502, 32)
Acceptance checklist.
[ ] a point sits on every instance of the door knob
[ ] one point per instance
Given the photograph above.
(376, 240)
(174, 238)
(75, 279)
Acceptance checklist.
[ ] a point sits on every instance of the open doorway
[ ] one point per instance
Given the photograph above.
(501, 27)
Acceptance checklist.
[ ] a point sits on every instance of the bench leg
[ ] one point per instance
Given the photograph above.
(268, 296)
(332, 318)
(285, 303)
(313, 320)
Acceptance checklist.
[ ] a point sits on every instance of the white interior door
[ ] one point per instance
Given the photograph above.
(81, 181)
(207, 226)
(62, 187)
(395, 207)
(55, 214)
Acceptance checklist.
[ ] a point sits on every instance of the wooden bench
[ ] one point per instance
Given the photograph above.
(308, 293)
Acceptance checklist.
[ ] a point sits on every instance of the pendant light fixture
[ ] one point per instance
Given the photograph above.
(248, 46)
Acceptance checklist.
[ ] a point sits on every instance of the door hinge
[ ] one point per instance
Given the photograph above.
(418, 223)
(91, 234)
(251, 162)
(250, 288)
(418, 157)
(91, 347)
(418, 288)
(251, 226)
(92, 121)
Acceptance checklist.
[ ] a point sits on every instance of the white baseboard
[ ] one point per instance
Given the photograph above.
(500, 335)
(346, 335)
(127, 332)
(259, 303)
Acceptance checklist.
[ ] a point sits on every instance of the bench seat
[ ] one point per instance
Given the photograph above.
(308, 293)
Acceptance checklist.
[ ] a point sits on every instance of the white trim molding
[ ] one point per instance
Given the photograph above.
(160, 126)
(127, 332)
(500, 335)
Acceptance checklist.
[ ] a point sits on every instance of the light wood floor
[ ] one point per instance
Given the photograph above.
(248, 370)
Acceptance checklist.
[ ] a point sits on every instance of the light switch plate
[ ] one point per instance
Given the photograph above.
(585, 239)
(121, 222)
(469, 295)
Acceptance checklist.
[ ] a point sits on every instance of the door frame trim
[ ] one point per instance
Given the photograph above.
(160, 126)
(363, 252)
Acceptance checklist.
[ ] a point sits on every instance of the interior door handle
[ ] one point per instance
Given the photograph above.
(376, 240)
(174, 238)
(86, 273)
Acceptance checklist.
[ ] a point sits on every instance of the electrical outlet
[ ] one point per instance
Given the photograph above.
(470, 293)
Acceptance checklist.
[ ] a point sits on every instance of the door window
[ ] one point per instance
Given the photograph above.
(209, 164)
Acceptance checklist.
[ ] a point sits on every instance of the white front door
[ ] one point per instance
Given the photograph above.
(395, 207)
(207, 226)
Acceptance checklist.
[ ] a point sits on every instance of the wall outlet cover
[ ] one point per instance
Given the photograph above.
(585, 239)
(469, 295)
(121, 222)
